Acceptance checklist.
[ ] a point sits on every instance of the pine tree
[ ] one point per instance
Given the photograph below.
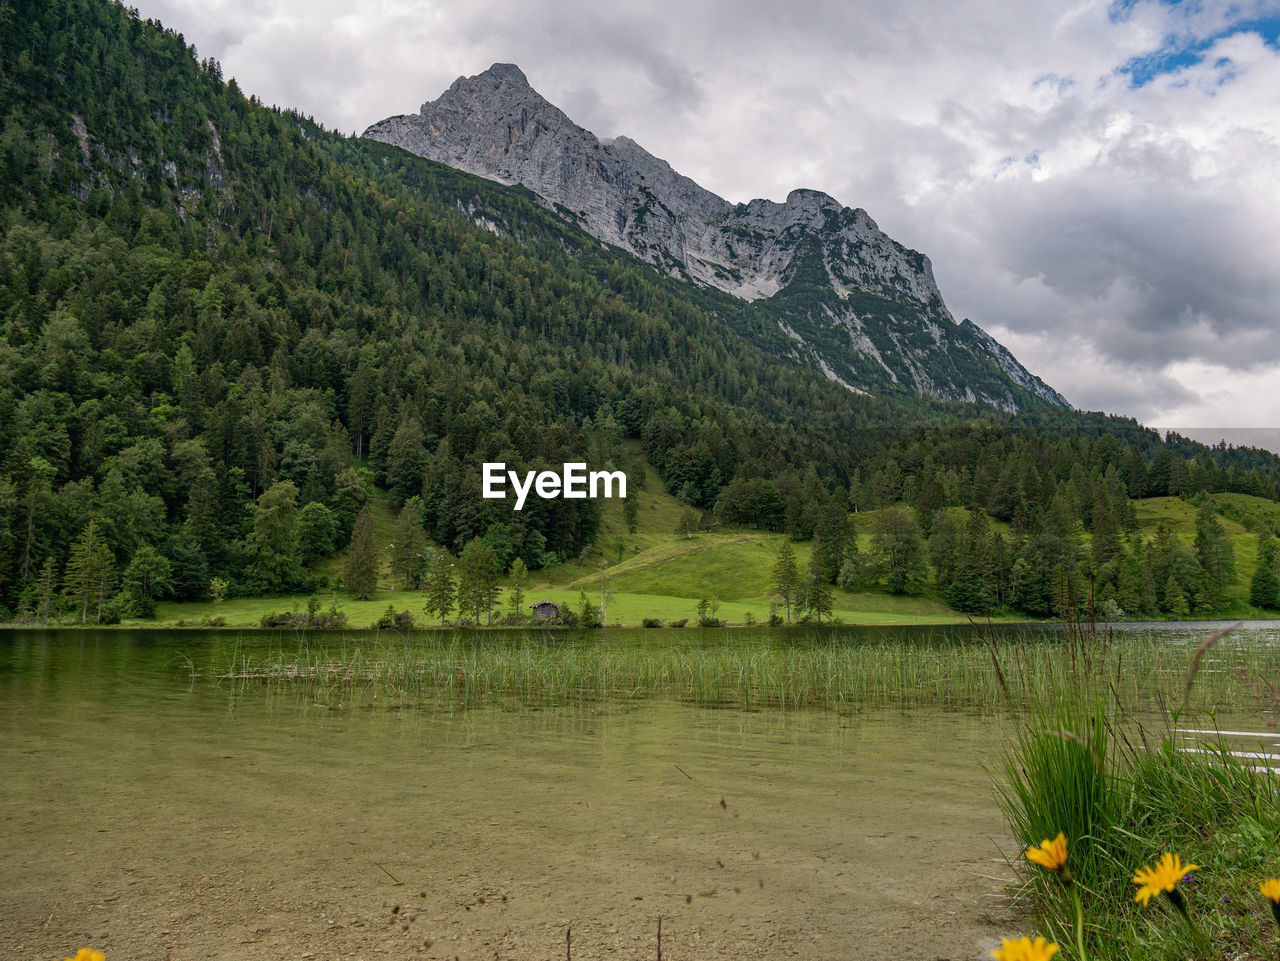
(519, 573)
(439, 585)
(1264, 588)
(48, 575)
(407, 548)
(362, 558)
(90, 572)
(477, 579)
(817, 589)
(1216, 557)
(786, 577)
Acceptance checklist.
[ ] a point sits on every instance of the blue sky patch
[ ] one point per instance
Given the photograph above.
(1181, 50)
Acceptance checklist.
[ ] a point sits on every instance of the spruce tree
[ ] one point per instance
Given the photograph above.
(519, 574)
(477, 579)
(362, 558)
(439, 585)
(407, 548)
(817, 588)
(90, 572)
(1264, 588)
(786, 577)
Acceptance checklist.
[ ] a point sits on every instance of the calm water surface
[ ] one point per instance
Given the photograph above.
(148, 806)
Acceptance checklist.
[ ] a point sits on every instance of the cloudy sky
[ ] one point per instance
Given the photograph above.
(1097, 184)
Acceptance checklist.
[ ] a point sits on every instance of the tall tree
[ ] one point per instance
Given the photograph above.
(1216, 556)
(146, 578)
(90, 572)
(408, 548)
(515, 596)
(477, 579)
(818, 594)
(897, 550)
(786, 577)
(273, 544)
(1264, 587)
(361, 571)
(440, 585)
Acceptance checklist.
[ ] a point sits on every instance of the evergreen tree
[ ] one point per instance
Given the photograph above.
(818, 594)
(45, 585)
(519, 575)
(1264, 587)
(1216, 556)
(439, 585)
(832, 535)
(361, 571)
(477, 579)
(90, 573)
(786, 577)
(408, 548)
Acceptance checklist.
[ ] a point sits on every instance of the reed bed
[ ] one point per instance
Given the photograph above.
(1145, 673)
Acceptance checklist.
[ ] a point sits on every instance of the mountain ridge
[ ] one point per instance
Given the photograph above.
(496, 125)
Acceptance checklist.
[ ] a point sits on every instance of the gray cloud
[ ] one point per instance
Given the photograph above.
(1120, 239)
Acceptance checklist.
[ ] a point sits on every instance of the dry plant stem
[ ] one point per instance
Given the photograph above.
(51, 914)
(1207, 643)
(659, 937)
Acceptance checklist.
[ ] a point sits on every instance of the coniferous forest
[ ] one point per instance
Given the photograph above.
(224, 328)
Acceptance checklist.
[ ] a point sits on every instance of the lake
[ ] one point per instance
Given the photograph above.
(154, 807)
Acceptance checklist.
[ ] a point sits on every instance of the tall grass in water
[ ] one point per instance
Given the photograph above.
(1012, 673)
(1124, 790)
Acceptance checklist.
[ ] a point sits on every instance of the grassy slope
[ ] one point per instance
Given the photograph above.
(1232, 509)
(656, 574)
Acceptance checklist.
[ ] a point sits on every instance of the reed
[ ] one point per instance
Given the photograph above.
(1012, 673)
(1124, 784)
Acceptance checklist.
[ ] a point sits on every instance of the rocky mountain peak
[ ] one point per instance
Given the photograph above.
(871, 316)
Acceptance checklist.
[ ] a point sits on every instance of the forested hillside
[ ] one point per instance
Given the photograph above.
(222, 327)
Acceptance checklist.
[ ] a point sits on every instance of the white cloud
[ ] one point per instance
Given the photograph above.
(1120, 239)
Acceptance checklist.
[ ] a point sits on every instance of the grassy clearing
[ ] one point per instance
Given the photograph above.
(1087, 761)
(625, 609)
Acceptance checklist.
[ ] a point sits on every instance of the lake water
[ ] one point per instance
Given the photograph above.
(151, 808)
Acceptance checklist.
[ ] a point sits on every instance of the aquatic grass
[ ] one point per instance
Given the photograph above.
(1012, 675)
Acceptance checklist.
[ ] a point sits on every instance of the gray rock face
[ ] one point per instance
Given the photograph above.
(497, 126)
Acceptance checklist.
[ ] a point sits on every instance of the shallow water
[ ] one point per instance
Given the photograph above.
(148, 810)
(150, 806)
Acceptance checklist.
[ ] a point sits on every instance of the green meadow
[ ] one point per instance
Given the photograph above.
(657, 573)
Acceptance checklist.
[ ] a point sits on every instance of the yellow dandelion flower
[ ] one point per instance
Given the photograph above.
(1162, 878)
(1024, 949)
(1270, 889)
(1050, 854)
(87, 954)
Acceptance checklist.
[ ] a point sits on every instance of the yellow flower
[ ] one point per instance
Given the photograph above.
(1024, 949)
(87, 954)
(1050, 854)
(1168, 872)
(1271, 890)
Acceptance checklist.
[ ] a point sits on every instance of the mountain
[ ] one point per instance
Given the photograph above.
(853, 302)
